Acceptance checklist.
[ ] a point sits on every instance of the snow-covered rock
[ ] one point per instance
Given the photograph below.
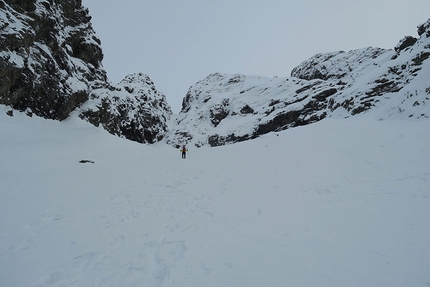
(229, 108)
(222, 109)
(51, 65)
(134, 109)
(49, 56)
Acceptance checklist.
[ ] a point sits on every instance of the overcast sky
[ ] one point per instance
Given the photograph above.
(178, 43)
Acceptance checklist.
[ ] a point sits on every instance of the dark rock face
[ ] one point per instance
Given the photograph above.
(246, 110)
(50, 65)
(50, 57)
(424, 29)
(219, 112)
(406, 42)
(217, 140)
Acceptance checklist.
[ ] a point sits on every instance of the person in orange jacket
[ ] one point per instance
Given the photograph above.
(184, 151)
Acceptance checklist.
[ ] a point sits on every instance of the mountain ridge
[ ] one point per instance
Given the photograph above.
(52, 66)
(340, 84)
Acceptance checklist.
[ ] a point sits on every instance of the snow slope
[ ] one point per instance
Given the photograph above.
(336, 203)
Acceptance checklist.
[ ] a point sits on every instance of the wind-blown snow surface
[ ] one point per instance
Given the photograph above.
(336, 203)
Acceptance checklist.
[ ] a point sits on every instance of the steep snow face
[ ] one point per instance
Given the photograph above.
(134, 109)
(225, 109)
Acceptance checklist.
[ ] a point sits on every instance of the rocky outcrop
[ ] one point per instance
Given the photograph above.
(424, 29)
(50, 56)
(51, 65)
(406, 42)
(134, 109)
(339, 65)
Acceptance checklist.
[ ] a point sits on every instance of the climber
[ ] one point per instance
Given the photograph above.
(184, 151)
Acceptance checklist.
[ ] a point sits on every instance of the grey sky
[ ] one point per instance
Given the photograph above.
(178, 43)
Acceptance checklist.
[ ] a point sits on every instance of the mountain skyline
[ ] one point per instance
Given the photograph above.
(52, 62)
(179, 43)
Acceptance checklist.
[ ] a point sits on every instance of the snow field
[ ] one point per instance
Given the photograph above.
(337, 203)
